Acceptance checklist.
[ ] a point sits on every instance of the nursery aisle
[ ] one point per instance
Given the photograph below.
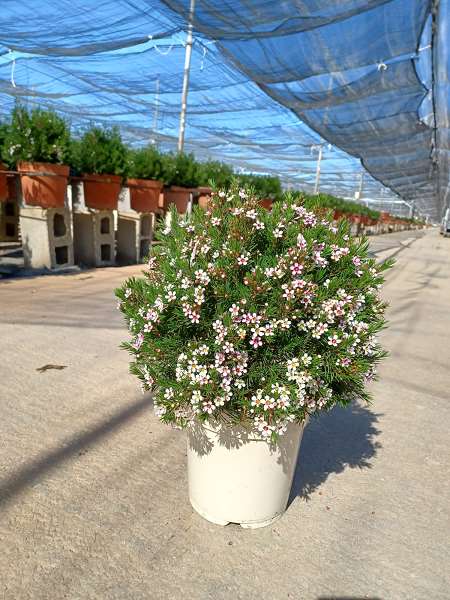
(93, 500)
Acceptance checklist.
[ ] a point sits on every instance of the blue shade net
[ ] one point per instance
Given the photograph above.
(271, 83)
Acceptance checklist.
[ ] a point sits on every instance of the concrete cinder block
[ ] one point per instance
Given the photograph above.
(9, 221)
(134, 236)
(47, 237)
(94, 242)
(134, 231)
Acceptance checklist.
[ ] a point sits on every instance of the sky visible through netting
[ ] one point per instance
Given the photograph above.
(271, 85)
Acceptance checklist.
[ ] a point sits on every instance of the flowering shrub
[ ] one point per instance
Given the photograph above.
(255, 317)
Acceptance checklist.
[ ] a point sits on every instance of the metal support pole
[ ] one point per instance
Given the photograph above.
(187, 67)
(319, 160)
(156, 115)
(361, 181)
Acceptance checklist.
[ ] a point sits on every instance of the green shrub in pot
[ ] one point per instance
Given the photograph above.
(181, 170)
(146, 163)
(100, 151)
(255, 317)
(36, 136)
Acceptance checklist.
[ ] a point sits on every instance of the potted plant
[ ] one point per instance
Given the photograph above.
(101, 157)
(246, 324)
(3, 167)
(145, 178)
(212, 174)
(266, 187)
(38, 143)
(181, 174)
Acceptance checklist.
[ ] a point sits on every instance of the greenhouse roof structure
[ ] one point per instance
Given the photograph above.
(363, 83)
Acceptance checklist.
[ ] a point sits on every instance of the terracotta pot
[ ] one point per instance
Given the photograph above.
(178, 196)
(47, 188)
(144, 194)
(101, 191)
(204, 197)
(266, 203)
(4, 195)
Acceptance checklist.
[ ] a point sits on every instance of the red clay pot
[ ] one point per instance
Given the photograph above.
(4, 194)
(101, 191)
(266, 203)
(144, 194)
(204, 197)
(48, 189)
(178, 196)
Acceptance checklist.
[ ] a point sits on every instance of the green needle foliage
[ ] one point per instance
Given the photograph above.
(36, 136)
(100, 152)
(256, 317)
(147, 163)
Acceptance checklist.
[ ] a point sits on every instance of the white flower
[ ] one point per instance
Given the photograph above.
(159, 410)
(306, 359)
(284, 323)
(196, 397)
(168, 394)
(208, 407)
(333, 340)
(293, 364)
(243, 259)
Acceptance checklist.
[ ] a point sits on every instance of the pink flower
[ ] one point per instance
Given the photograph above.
(288, 293)
(208, 407)
(256, 341)
(296, 268)
(138, 341)
(298, 283)
(301, 242)
(333, 340)
(228, 348)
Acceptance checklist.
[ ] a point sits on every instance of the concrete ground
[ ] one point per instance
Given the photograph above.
(93, 494)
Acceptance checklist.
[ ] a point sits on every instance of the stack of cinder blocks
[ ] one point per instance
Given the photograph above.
(134, 231)
(9, 214)
(47, 235)
(94, 243)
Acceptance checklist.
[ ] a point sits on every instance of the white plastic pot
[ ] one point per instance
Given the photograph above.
(235, 476)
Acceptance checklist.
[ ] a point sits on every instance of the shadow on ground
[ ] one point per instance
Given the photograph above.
(31, 472)
(343, 438)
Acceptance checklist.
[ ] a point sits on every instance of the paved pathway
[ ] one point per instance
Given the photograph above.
(93, 500)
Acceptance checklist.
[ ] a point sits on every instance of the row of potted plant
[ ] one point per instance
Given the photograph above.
(38, 144)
